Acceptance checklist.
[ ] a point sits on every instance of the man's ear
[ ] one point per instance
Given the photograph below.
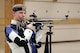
(13, 12)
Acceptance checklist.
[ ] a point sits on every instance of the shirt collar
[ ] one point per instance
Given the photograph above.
(15, 22)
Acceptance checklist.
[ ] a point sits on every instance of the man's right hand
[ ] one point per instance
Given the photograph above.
(30, 25)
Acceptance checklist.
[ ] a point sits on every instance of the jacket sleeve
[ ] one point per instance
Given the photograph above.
(17, 39)
(38, 36)
(28, 33)
(14, 37)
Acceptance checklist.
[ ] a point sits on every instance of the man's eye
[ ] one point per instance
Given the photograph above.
(24, 13)
(21, 12)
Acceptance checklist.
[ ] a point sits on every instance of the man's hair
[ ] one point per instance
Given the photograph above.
(18, 7)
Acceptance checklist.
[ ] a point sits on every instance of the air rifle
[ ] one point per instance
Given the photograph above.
(37, 22)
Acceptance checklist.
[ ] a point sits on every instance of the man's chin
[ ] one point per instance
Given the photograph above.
(22, 19)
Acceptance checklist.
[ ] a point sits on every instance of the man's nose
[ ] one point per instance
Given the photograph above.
(23, 14)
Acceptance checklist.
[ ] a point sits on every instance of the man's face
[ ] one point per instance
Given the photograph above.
(19, 15)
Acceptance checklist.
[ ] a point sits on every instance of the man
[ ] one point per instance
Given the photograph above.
(20, 38)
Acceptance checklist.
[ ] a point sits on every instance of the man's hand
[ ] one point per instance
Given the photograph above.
(30, 25)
